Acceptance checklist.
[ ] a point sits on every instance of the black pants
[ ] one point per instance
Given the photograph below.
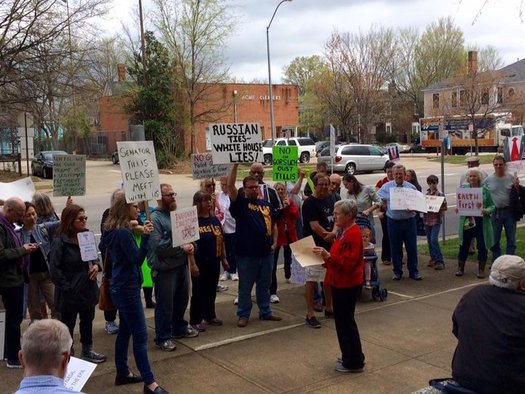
(287, 252)
(385, 242)
(347, 332)
(13, 299)
(86, 317)
(204, 291)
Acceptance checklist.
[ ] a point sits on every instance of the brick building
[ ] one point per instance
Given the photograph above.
(224, 103)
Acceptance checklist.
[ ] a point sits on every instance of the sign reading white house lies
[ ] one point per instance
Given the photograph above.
(236, 142)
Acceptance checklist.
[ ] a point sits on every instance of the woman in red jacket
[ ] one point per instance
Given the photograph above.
(344, 273)
(286, 232)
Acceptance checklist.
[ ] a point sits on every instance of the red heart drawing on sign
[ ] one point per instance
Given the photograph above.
(479, 205)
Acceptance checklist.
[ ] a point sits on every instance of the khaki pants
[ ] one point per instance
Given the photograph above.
(40, 284)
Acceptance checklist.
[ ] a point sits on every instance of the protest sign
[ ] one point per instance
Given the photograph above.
(303, 252)
(22, 188)
(434, 203)
(184, 226)
(78, 373)
(285, 163)
(202, 166)
(403, 198)
(138, 165)
(87, 246)
(393, 152)
(469, 201)
(236, 142)
(69, 175)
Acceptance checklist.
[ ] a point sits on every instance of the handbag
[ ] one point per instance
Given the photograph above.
(105, 302)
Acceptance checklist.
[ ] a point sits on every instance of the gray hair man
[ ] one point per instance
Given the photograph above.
(45, 354)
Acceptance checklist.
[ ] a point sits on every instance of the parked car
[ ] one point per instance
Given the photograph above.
(114, 157)
(306, 148)
(352, 158)
(42, 163)
(320, 145)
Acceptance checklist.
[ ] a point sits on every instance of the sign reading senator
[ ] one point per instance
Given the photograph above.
(140, 175)
(69, 175)
(184, 226)
(236, 142)
(202, 167)
(284, 163)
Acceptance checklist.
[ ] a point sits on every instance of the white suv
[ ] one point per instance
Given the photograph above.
(306, 148)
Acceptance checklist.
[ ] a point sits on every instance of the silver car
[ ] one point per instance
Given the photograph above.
(355, 157)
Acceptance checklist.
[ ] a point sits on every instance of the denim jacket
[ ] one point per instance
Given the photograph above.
(43, 234)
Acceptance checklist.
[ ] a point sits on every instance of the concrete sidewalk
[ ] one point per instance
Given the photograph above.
(407, 340)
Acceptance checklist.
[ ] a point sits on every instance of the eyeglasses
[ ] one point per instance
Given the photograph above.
(82, 219)
(210, 185)
(431, 183)
(170, 195)
(252, 187)
(257, 172)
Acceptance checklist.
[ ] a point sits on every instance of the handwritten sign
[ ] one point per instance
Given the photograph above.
(22, 188)
(285, 163)
(184, 226)
(236, 142)
(469, 201)
(87, 245)
(78, 373)
(138, 165)
(202, 167)
(434, 203)
(69, 175)
(393, 152)
(403, 198)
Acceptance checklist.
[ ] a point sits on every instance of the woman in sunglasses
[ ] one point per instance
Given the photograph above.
(76, 289)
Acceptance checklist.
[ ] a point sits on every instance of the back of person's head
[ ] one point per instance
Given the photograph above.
(44, 344)
(43, 206)
(508, 272)
(118, 213)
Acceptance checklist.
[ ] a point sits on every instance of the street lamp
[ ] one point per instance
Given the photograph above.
(272, 125)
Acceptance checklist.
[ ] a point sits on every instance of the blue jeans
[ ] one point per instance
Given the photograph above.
(503, 218)
(399, 232)
(433, 243)
(132, 324)
(171, 295)
(258, 271)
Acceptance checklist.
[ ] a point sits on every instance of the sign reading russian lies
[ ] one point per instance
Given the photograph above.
(140, 175)
(236, 142)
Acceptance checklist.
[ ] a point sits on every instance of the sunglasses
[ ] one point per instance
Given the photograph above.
(170, 195)
(82, 219)
(210, 185)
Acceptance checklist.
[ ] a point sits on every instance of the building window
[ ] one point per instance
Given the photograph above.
(435, 101)
(511, 92)
(485, 96)
(500, 96)
(454, 99)
(462, 98)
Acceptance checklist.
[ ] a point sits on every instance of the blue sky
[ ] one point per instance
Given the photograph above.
(301, 27)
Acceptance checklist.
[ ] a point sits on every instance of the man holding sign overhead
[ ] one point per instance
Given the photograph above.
(256, 241)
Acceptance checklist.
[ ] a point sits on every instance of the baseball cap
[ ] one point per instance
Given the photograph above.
(507, 271)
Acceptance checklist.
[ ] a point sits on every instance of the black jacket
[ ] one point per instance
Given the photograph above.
(74, 291)
(517, 202)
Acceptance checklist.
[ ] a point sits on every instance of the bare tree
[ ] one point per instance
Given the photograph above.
(195, 32)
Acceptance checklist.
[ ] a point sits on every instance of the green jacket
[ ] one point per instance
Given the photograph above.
(11, 274)
(488, 234)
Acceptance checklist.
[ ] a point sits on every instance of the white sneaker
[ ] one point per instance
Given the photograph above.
(288, 280)
(221, 288)
(234, 277)
(236, 301)
(225, 276)
(274, 299)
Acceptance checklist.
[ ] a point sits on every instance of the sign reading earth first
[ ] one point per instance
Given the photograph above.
(284, 163)
(236, 142)
(140, 175)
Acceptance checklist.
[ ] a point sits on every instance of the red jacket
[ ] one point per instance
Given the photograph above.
(345, 267)
(287, 221)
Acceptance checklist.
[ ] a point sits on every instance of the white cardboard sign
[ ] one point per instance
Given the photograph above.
(403, 198)
(202, 166)
(434, 203)
(304, 254)
(22, 188)
(469, 201)
(140, 174)
(69, 175)
(184, 226)
(78, 373)
(87, 245)
(236, 142)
